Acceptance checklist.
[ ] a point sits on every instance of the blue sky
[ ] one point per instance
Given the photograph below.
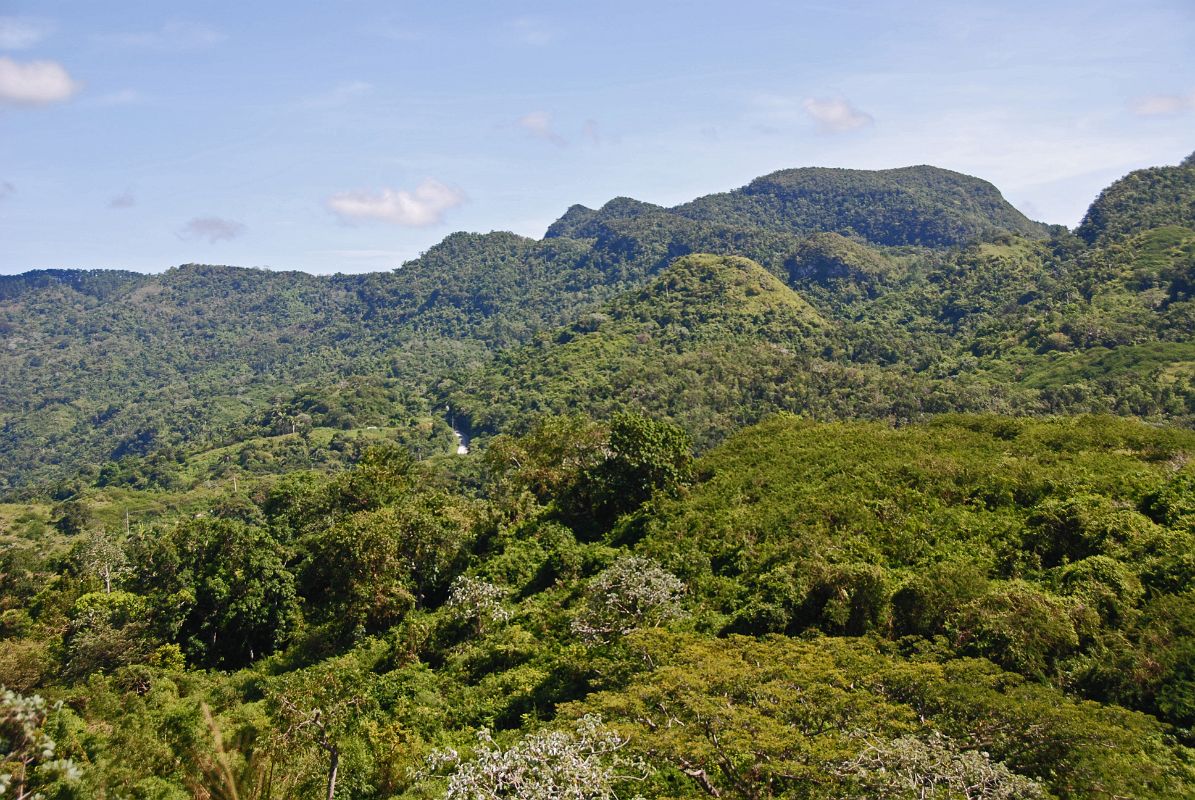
(350, 136)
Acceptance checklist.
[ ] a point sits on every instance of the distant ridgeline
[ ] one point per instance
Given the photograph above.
(832, 293)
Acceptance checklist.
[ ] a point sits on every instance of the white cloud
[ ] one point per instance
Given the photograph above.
(173, 36)
(124, 200)
(423, 206)
(836, 114)
(539, 125)
(532, 30)
(20, 33)
(214, 229)
(35, 83)
(1158, 105)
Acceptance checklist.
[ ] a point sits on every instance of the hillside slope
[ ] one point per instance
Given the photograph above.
(707, 342)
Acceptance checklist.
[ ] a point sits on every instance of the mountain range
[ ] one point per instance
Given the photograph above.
(924, 291)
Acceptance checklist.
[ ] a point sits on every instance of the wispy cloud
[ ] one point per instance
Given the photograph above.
(418, 208)
(214, 229)
(123, 97)
(396, 30)
(338, 96)
(125, 200)
(6, 189)
(1163, 105)
(592, 132)
(20, 33)
(836, 114)
(35, 83)
(174, 36)
(533, 31)
(539, 125)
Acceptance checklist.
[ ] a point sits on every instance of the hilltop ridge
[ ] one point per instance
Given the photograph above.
(1143, 199)
(919, 205)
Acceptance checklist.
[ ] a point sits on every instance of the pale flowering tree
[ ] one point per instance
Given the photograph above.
(632, 593)
(936, 768)
(477, 601)
(100, 554)
(27, 758)
(585, 764)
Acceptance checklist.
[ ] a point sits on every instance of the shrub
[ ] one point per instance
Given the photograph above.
(632, 593)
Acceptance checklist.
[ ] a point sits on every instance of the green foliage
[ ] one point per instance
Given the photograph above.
(365, 573)
(72, 517)
(1017, 541)
(271, 372)
(977, 599)
(930, 597)
(219, 588)
(711, 343)
(106, 631)
(833, 260)
(1166, 657)
(1018, 626)
(781, 718)
(641, 458)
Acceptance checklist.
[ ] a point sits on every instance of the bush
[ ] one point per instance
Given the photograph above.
(632, 593)
(1018, 626)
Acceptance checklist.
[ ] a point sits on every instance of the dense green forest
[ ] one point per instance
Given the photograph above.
(841, 485)
(810, 610)
(947, 299)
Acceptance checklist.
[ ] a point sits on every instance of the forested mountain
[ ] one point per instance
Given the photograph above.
(99, 366)
(1012, 325)
(96, 367)
(910, 206)
(841, 485)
